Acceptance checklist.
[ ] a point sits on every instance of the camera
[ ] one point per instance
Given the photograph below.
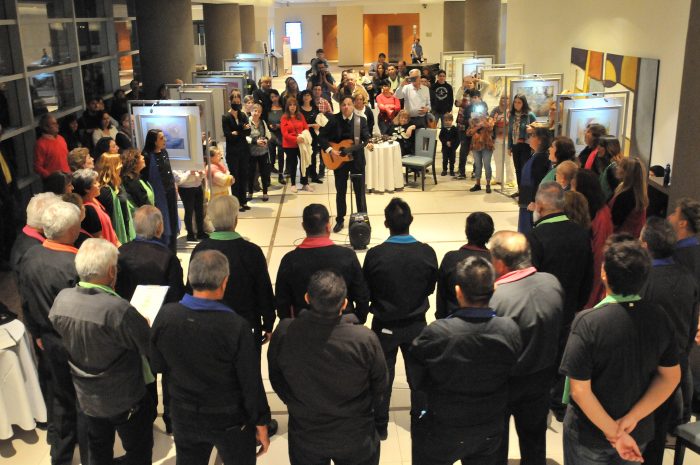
(412, 79)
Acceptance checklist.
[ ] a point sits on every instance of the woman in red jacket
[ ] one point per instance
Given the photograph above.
(292, 125)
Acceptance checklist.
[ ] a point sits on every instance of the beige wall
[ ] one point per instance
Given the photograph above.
(350, 41)
(311, 27)
(642, 28)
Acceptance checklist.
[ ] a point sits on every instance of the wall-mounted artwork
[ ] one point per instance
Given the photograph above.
(579, 119)
(540, 93)
(607, 72)
(496, 78)
(175, 129)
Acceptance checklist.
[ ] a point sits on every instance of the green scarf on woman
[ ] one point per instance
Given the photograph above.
(124, 234)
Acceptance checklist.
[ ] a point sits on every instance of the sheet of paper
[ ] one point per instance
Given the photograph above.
(148, 300)
(6, 340)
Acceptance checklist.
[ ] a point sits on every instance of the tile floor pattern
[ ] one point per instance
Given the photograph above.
(439, 219)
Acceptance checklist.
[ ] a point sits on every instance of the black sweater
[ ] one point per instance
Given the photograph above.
(441, 98)
(297, 267)
(450, 134)
(564, 250)
(249, 290)
(400, 278)
(149, 262)
(446, 300)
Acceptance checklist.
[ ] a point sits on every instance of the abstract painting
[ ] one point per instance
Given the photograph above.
(175, 129)
(496, 78)
(608, 72)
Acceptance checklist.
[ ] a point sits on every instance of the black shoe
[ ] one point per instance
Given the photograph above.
(444, 173)
(321, 175)
(475, 188)
(515, 196)
(281, 180)
(382, 432)
(452, 173)
(338, 226)
(246, 207)
(191, 238)
(461, 176)
(488, 188)
(272, 428)
(317, 181)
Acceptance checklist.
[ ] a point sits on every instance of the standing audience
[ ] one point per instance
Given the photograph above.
(237, 129)
(50, 149)
(630, 200)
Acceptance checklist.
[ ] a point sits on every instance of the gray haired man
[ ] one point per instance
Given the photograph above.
(107, 342)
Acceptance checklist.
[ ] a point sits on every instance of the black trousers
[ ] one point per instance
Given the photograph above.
(238, 166)
(400, 338)
(312, 171)
(193, 201)
(360, 450)
(385, 127)
(448, 158)
(196, 434)
(465, 143)
(135, 428)
(341, 188)
(436, 444)
(293, 160)
(173, 219)
(262, 163)
(68, 424)
(521, 154)
(274, 146)
(528, 403)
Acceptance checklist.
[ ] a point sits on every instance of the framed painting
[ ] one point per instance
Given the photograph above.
(579, 119)
(540, 94)
(496, 79)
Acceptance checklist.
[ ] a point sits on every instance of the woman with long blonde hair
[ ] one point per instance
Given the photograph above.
(114, 197)
(629, 204)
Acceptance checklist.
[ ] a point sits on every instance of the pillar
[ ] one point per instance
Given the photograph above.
(685, 170)
(482, 19)
(453, 27)
(248, 42)
(165, 42)
(222, 26)
(350, 36)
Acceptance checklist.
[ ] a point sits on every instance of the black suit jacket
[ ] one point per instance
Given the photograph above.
(333, 132)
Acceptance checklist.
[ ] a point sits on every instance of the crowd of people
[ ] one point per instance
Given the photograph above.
(589, 311)
(525, 324)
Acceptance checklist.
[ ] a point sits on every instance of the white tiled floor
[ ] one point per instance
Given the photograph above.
(275, 226)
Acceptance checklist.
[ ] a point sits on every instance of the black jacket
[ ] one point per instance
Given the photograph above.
(212, 364)
(337, 130)
(237, 145)
(135, 192)
(297, 267)
(564, 250)
(450, 134)
(331, 373)
(465, 362)
(149, 262)
(400, 277)
(249, 290)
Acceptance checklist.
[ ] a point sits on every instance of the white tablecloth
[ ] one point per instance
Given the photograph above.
(383, 170)
(21, 401)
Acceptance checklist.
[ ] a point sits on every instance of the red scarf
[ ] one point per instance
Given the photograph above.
(591, 159)
(516, 275)
(58, 247)
(105, 221)
(315, 242)
(33, 233)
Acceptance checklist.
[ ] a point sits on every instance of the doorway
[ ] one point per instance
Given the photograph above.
(330, 36)
(395, 35)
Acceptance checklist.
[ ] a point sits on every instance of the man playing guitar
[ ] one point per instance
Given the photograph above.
(344, 127)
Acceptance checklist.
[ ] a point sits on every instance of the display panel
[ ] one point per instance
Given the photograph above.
(540, 94)
(496, 79)
(579, 119)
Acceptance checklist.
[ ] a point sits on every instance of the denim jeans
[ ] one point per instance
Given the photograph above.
(482, 158)
(577, 454)
(465, 143)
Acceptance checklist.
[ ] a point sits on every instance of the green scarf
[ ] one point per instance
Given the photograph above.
(149, 192)
(120, 227)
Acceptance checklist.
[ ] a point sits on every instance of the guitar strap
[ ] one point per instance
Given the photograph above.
(356, 131)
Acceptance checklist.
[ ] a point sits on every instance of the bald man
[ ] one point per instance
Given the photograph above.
(535, 301)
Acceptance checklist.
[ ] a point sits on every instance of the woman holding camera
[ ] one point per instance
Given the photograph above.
(480, 131)
(259, 153)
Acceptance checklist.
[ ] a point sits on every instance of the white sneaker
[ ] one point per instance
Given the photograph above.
(307, 188)
(294, 189)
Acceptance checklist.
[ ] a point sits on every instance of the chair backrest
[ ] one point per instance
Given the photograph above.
(426, 140)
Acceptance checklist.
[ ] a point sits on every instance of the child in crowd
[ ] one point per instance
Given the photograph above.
(449, 138)
(566, 172)
(189, 186)
(404, 133)
(222, 180)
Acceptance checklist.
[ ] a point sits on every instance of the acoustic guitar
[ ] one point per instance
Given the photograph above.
(345, 148)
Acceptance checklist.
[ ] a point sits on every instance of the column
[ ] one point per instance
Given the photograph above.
(248, 42)
(222, 26)
(685, 170)
(350, 37)
(165, 42)
(482, 20)
(453, 26)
